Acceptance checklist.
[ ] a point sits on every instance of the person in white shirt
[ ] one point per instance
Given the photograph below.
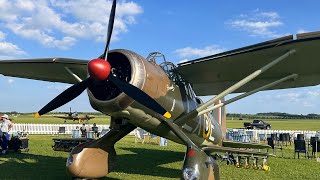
(6, 126)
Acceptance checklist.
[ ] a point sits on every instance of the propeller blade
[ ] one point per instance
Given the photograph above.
(97, 70)
(140, 96)
(65, 97)
(110, 28)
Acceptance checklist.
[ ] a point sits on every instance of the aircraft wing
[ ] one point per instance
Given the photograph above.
(85, 118)
(46, 69)
(212, 74)
(62, 117)
(213, 149)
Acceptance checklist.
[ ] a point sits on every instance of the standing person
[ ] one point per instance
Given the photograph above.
(6, 126)
(95, 129)
(83, 130)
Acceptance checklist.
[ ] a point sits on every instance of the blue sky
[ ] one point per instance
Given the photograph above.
(182, 30)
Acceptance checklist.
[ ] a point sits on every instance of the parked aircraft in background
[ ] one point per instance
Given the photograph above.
(160, 97)
(75, 117)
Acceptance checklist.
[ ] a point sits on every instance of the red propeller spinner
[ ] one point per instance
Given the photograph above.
(99, 69)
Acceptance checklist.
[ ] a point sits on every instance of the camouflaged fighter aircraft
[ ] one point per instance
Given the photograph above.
(160, 98)
(75, 117)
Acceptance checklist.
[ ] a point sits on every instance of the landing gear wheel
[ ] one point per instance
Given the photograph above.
(238, 162)
(265, 167)
(238, 165)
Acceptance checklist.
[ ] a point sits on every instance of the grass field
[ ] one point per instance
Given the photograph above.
(282, 124)
(144, 161)
(49, 119)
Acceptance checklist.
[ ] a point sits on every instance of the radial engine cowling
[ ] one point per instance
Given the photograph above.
(133, 68)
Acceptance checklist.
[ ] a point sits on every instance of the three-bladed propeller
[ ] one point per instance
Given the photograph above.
(99, 69)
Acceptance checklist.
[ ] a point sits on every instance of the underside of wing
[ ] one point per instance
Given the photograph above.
(213, 74)
(46, 69)
(214, 149)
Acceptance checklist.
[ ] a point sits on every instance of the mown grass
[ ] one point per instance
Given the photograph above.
(49, 119)
(144, 161)
(282, 124)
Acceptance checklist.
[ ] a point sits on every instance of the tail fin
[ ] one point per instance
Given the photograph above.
(221, 116)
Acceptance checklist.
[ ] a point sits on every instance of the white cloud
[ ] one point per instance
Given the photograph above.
(307, 104)
(300, 31)
(306, 97)
(7, 11)
(42, 37)
(2, 36)
(272, 15)
(291, 96)
(197, 52)
(258, 23)
(183, 60)
(314, 93)
(59, 86)
(61, 23)
(26, 5)
(10, 80)
(9, 50)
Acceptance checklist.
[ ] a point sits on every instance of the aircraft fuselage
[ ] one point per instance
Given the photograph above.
(166, 87)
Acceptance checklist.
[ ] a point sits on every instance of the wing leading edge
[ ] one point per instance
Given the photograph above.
(46, 69)
(213, 74)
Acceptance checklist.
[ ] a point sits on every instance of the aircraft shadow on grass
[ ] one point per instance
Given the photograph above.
(144, 162)
(148, 162)
(30, 166)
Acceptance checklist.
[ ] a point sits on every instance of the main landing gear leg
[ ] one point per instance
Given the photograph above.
(96, 158)
(255, 163)
(247, 162)
(238, 161)
(199, 165)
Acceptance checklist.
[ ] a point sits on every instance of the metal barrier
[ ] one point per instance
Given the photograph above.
(255, 135)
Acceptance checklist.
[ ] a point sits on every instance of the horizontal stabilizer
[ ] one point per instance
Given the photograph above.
(233, 144)
(212, 149)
